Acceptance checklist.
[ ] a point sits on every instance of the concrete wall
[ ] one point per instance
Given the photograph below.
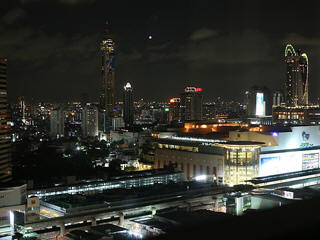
(193, 159)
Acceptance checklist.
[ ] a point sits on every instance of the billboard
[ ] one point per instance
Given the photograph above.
(299, 137)
(310, 161)
(260, 105)
(278, 163)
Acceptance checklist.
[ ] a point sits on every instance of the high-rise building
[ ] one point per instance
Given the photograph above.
(128, 108)
(258, 102)
(57, 118)
(107, 97)
(174, 109)
(117, 123)
(22, 108)
(5, 137)
(191, 104)
(278, 99)
(297, 82)
(89, 122)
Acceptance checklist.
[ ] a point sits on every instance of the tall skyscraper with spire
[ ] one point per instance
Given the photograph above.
(297, 82)
(107, 96)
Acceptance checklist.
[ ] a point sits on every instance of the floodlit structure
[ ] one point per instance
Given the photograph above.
(57, 118)
(225, 162)
(191, 104)
(285, 150)
(258, 102)
(297, 82)
(135, 179)
(108, 73)
(89, 122)
(174, 109)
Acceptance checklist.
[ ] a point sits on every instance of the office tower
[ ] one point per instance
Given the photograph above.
(107, 97)
(191, 104)
(174, 109)
(22, 108)
(128, 108)
(278, 99)
(297, 82)
(117, 123)
(258, 101)
(89, 122)
(5, 136)
(57, 123)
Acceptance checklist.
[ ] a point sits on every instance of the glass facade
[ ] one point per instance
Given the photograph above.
(241, 164)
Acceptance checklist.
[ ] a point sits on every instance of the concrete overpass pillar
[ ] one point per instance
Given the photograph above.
(153, 211)
(121, 218)
(93, 221)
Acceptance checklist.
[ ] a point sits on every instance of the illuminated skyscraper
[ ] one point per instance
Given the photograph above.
(174, 109)
(107, 96)
(297, 82)
(191, 104)
(5, 136)
(258, 101)
(89, 122)
(128, 108)
(57, 118)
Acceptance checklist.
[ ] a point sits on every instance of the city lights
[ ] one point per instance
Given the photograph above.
(201, 178)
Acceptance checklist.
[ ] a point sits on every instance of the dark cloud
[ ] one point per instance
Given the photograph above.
(297, 39)
(66, 2)
(74, 2)
(54, 51)
(13, 15)
(231, 48)
(203, 33)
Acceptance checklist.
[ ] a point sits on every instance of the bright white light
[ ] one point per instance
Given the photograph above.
(201, 178)
(275, 134)
(135, 234)
(78, 148)
(150, 37)
(128, 85)
(260, 105)
(293, 143)
(11, 218)
(197, 139)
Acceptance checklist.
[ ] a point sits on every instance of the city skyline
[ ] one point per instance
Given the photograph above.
(60, 59)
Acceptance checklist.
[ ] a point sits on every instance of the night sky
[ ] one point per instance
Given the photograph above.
(222, 46)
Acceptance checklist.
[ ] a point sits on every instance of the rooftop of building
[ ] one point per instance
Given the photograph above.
(316, 107)
(124, 176)
(290, 175)
(107, 197)
(108, 228)
(296, 220)
(152, 222)
(195, 142)
(303, 193)
(182, 217)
